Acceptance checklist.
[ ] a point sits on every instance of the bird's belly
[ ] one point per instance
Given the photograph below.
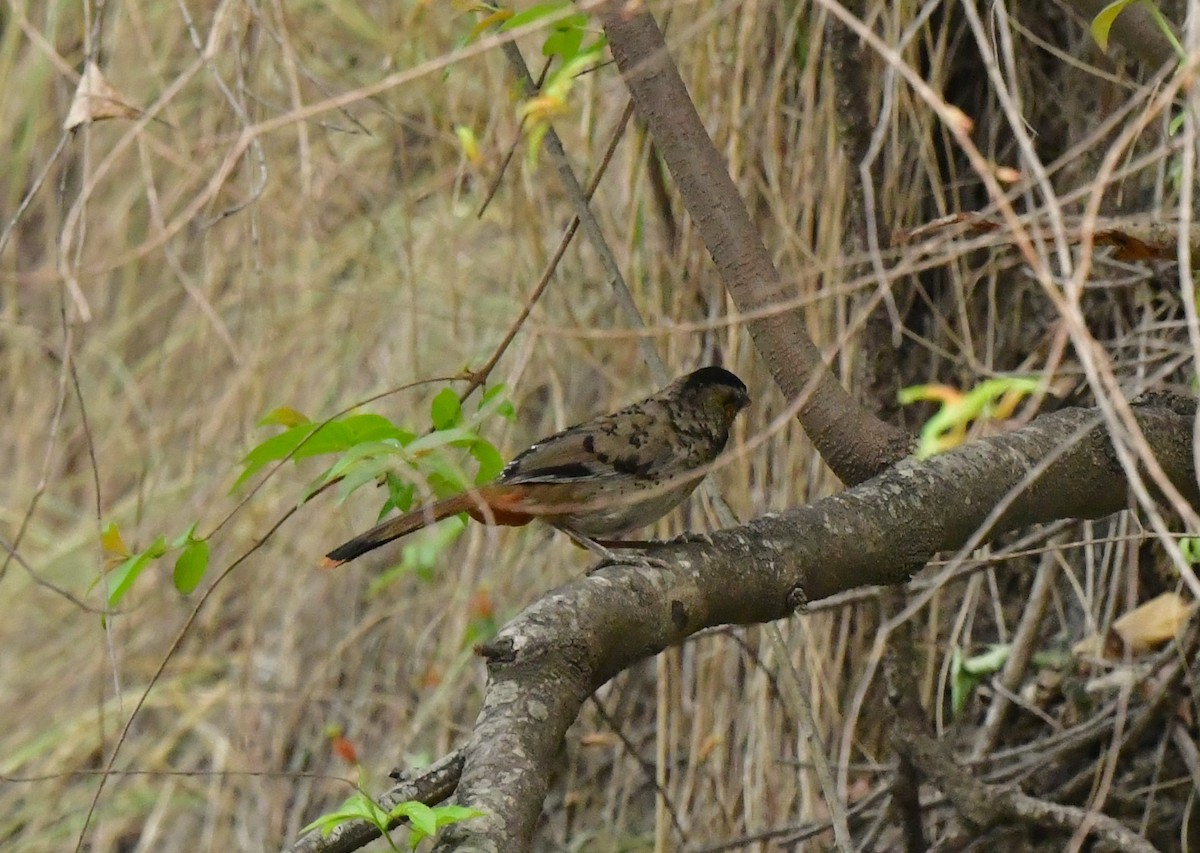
(613, 515)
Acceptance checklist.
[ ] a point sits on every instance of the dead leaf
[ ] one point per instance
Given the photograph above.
(96, 99)
(1090, 647)
(1151, 624)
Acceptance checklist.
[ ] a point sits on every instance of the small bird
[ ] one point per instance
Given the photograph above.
(598, 479)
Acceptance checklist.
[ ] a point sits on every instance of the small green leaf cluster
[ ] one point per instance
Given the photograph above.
(992, 398)
(566, 42)
(371, 448)
(966, 673)
(368, 448)
(424, 821)
(126, 566)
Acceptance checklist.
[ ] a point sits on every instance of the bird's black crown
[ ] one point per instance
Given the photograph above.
(712, 376)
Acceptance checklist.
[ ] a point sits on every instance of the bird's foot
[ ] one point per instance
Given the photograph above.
(610, 556)
(636, 560)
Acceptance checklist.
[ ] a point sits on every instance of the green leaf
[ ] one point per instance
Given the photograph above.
(308, 439)
(421, 817)
(123, 576)
(534, 13)
(561, 82)
(357, 806)
(372, 427)
(954, 415)
(379, 456)
(327, 823)
(366, 471)
(491, 463)
(493, 401)
(425, 821)
(191, 565)
(447, 815)
(445, 411)
(365, 450)
(533, 143)
(400, 494)
(441, 438)
(272, 450)
(284, 416)
(469, 144)
(966, 673)
(1102, 23)
(961, 683)
(445, 476)
(564, 41)
(988, 662)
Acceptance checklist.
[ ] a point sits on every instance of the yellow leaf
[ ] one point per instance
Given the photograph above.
(496, 17)
(470, 145)
(112, 543)
(1102, 23)
(1091, 646)
(284, 416)
(1153, 623)
(936, 393)
(541, 108)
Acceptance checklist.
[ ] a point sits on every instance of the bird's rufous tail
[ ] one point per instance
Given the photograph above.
(401, 525)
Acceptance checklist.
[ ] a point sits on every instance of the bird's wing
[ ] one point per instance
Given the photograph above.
(639, 441)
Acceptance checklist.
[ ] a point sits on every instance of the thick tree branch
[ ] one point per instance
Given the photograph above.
(853, 442)
(544, 663)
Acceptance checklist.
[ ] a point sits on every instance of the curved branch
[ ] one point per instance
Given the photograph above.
(544, 663)
(854, 443)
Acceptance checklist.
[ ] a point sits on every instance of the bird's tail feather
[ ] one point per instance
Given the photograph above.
(394, 528)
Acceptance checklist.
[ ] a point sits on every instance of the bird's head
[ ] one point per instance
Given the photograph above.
(715, 391)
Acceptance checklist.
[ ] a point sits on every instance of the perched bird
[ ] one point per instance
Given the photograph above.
(598, 479)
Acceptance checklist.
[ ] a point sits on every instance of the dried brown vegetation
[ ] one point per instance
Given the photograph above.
(249, 244)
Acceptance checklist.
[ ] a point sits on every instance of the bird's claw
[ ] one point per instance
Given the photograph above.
(635, 560)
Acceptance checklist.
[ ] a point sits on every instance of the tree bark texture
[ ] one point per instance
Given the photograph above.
(545, 663)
